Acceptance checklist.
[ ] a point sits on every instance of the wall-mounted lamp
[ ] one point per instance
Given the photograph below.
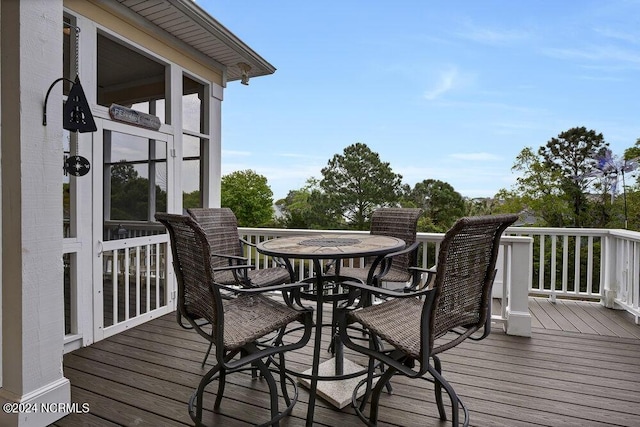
(77, 115)
(244, 68)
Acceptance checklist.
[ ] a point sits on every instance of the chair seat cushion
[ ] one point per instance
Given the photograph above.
(397, 321)
(262, 277)
(248, 318)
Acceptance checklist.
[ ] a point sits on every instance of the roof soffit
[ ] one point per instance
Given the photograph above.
(193, 29)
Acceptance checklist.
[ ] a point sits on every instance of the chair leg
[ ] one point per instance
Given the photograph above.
(455, 400)
(438, 389)
(221, 384)
(377, 391)
(273, 390)
(378, 347)
(283, 379)
(199, 395)
(206, 356)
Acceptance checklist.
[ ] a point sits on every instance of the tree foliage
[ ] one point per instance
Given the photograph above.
(130, 194)
(442, 205)
(571, 157)
(249, 196)
(538, 188)
(191, 200)
(357, 182)
(307, 208)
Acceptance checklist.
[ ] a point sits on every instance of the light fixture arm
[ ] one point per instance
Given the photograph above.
(46, 98)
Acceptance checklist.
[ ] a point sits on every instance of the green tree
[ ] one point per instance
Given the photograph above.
(191, 200)
(538, 190)
(481, 206)
(357, 182)
(130, 194)
(307, 208)
(441, 203)
(249, 196)
(572, 155)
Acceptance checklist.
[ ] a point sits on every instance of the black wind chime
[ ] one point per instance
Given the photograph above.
(77, 116)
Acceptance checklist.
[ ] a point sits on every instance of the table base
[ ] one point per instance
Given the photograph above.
(336, 392)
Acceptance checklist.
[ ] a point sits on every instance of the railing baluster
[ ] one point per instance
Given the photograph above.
(577, 285)
(542, 262)
(147, 267)
(127, 265)
(114, 284)
(554, 240)
(565, 263)
(137, 276)
(158, 273)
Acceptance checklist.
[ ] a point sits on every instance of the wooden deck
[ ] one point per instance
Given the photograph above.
(581, 367)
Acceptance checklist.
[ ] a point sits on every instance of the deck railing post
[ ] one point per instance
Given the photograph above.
(518, 264)
(608, 279)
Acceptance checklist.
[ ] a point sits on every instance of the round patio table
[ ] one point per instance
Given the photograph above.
(327, 246)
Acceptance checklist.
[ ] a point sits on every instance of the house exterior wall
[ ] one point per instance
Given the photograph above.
(31, 267)
(147, 37)
(32, 299)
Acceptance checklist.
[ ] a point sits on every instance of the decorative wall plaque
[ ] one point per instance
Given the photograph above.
(133, 117)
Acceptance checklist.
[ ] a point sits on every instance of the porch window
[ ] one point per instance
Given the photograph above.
(135, 185)
(128, 77)
(195, 140)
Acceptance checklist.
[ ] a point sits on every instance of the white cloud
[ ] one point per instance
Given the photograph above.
(606, 54)
(618, 35)
(447, 80)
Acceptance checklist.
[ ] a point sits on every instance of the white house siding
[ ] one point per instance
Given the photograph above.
(32, 310)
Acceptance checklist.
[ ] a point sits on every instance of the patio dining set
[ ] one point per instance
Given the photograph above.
(399, 316)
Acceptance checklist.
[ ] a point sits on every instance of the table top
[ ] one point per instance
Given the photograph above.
(330, 246)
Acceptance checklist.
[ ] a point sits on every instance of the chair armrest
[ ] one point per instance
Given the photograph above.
(278, 260)
(408, 249)
(234, 267)
(387, 261)
(375, 290)
(246, 242)
(416, 271)
(230, 257)
(263, 289)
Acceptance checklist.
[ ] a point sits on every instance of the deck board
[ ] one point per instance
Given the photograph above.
(580, 368)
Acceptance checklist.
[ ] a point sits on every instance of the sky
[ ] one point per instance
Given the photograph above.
(446, 90)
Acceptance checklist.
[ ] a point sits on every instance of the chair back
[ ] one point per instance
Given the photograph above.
(401, 223)
(197, 297)
(464, 276)
(221, 228)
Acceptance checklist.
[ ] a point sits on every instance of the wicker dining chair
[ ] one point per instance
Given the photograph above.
(395, 267)
(221, 227)
(237, 324)
(228, 248)
(417, 326)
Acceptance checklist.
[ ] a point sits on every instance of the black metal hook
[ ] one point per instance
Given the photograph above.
(46, 98)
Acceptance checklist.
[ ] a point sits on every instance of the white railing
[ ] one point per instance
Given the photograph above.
(135, 288)
(587, 263)
(512, 281)
(580, 263)
(621, 275)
